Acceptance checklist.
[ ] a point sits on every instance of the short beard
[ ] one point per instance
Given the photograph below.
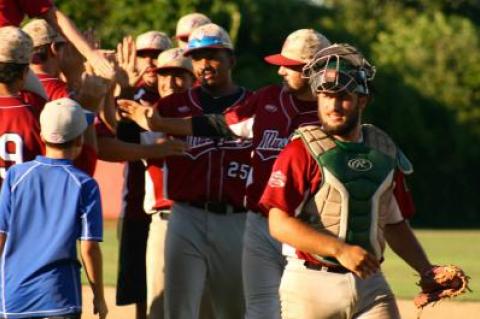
(344, 129)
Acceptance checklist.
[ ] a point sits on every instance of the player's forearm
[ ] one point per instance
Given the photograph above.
(173, 126)
(3, 239)
(294, 232)
(92, 261)
(111, 149)
(64, 25)
(403, 242)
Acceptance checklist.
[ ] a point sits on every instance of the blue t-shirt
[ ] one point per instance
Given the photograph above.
(45, 206)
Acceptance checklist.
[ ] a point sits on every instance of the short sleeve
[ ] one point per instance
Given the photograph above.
(91, 212)
(35, 8)
(292, 179)
(403, 196)
(5, 203)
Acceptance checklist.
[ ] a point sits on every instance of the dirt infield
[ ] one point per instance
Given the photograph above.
(444, 310)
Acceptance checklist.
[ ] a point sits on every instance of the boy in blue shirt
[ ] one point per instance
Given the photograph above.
(45, 206)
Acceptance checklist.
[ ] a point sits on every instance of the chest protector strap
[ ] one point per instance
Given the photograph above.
(357, 184)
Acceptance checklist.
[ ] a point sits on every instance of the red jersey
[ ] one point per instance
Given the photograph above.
(57, 89)
(12, 12)
(54, 87)
(296, 176)
(269, 117)
(213, 169)
(19, 133)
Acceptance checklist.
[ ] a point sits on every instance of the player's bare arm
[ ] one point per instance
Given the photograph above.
(92, 261)
(62, 23)
(149, 119)
(112, 149)
(294, 232)
(403, 242)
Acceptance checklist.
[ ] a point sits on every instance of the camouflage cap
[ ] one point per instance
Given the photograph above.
(15, 46)
(209, 36)
(174, 59)
(299, 48)
(42, 33)
(153, 40)
(189, 22)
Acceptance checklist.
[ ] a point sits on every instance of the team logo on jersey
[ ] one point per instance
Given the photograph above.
(360, 164)
(271, 108)
(183, 109)
(277, 180)
(271, 144)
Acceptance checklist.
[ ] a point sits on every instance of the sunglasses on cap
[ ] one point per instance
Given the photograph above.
(206, 41)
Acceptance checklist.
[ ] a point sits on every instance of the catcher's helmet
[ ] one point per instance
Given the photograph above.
(337, 68)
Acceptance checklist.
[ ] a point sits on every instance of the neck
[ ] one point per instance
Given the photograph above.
(222, 89)
(352, 136)
(46, 68)
(54, 153)
(305, 95)
(9, 89)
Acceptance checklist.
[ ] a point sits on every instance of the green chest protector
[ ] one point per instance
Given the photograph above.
(356, 179)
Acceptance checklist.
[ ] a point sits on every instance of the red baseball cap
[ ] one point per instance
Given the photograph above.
(299, 48)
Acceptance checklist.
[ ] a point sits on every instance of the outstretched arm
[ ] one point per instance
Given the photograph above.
(294, 232)
(403, 242)
(63, 24)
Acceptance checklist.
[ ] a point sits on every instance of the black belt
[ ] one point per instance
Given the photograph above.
(328, 268)
(163, 214)
(219, 208)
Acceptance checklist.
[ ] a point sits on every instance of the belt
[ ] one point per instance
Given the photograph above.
(330, 268)
(219, 208)
(163, 214)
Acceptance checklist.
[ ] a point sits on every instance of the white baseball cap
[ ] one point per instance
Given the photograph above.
(153, 41)
(62, 120)
(188, 23)
(208, 36)
(299, 48)
(174, 59)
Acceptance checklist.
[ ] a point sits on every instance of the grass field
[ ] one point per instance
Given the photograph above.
(461, 247)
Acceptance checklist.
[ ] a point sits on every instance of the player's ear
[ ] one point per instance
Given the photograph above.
(363, 101)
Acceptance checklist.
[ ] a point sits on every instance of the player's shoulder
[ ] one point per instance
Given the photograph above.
(173, 103)
(80, 177)
(295, 149)
(269, 91)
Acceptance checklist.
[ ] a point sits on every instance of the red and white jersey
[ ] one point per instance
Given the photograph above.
(12, 12)
(19, 133)
(269, 117)
(296, 176)
(212, 169)
(54, 87)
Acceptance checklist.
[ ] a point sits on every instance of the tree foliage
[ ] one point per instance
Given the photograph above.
(427, 53)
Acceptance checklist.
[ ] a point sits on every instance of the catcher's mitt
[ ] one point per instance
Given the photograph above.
(441, 282)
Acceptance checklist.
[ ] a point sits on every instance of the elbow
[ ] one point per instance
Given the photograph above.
(275, 225)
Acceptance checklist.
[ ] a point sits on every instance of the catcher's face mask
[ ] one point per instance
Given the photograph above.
(333, 75)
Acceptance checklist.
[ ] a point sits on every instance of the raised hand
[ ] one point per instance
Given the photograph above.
(126, 57)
